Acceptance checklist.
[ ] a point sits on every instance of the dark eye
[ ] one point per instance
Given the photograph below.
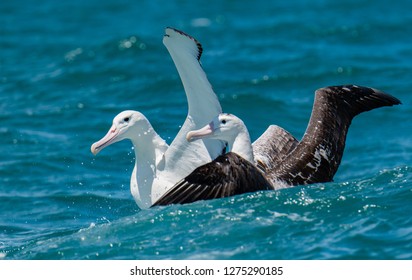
(126, 119)
(223, 121)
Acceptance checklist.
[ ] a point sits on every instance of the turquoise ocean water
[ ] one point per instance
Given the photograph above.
(68, 67)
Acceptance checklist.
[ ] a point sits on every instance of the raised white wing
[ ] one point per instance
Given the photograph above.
(183, 157)
(186, 52)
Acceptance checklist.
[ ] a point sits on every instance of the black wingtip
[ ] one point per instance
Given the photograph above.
(198, 44)
(359, 98)
(389, 99)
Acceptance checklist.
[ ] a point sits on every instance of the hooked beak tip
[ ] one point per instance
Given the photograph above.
(94, 150)
(189, 136)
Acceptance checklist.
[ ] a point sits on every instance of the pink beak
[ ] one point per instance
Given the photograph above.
(200, 133)
(108, 139)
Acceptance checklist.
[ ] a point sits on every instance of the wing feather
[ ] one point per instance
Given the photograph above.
(317, 156)
(228, 175)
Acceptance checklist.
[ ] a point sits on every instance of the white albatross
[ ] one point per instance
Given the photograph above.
(314, 159)
(159, 166)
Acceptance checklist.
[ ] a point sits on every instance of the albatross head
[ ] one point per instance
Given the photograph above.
(228, 128)
(125, 126)
(225, 127)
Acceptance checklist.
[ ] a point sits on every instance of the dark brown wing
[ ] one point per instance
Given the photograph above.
(227, 175)
(272, 147)
(317, 157)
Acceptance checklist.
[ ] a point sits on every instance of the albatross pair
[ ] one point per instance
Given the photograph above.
(159, 166)
(286, 162)
(187, 171)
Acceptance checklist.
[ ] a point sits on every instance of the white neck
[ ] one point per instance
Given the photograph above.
(242, 145)
(149, 150)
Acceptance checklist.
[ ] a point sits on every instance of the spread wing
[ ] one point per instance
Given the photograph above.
(203, 105)
(186, 52)
(317, 156)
